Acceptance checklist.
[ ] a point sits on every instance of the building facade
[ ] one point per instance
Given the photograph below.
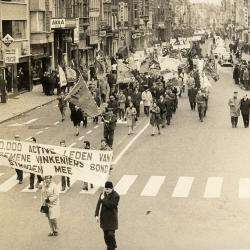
(15, 58)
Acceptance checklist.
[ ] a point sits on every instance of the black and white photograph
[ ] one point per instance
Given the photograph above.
(124, 124)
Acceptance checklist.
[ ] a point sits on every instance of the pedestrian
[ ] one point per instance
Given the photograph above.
(62, 104)
(65, 181)
(163, 108)
(32, 176)
(155, 118)
(136, 99)
(244, 107)
(236, 74)
(147, 101)
(110, 120)
(131, 118)
(169, 106)
(107, 214)
(201, 104)
(85, 184)
(76, 117)
(234, 104)
(192, 92)
(112, 103)
(50, 197)
(121, 100)
(246, 78)
(19, 172)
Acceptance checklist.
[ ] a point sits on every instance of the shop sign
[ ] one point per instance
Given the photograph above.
(11, 56)
(102, 33)
(76, 31)
(56, 23)
(8, 40)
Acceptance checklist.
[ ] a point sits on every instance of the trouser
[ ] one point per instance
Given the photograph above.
(205, 108)
(154, 129)
(245, 118)
(236, 80)
(64, 181)
(201, 110)
(246, 84)
(234, 121)
(109, 136)
(53, 225)
(109, 237)
(169, 117)
(192, 105)
(137, 107)
(103, 97)
(32, 179)
(85, 121)
(163, 118)
(19, 174)
(121, 113)
(146, 110)
(95, 119)
(62, 110)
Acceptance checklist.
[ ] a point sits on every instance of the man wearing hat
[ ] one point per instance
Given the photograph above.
(234, 104)
(19, 172)
(107, 213)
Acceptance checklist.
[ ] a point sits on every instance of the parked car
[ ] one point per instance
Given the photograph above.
(226, 59)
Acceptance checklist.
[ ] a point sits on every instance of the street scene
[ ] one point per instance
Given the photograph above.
(124, 125)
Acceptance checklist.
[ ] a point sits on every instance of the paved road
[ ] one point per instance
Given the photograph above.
(187, 189)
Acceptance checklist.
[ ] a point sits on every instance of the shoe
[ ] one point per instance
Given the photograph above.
(85, 189)
(20, 182)
(77, 134)
(159, 132)
(50, 234)
(152, 134)
(63, 189)
(163, 126)
(30, 188)
(91, 186)
(55, 233)
(63, 119)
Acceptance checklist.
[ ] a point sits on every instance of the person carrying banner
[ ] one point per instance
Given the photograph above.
(109, 120)
(76, 117)
(107, 214)
(64, 179)
(32, 176)
(50, 196)
(18, 171)
(62, 104)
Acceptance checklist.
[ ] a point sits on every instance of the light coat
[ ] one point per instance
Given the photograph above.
(130, 116)
(234, 104)
(147, 98)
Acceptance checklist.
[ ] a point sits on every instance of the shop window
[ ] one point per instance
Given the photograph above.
(17, 29)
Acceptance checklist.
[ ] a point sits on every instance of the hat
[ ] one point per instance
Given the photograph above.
(17, 136)
(108, 184)
(235, 92)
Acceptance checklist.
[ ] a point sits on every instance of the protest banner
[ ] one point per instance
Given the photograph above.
(70, 74)
(124, 73)
(81, 97)
(92, 166)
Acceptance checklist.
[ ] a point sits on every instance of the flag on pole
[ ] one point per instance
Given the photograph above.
(124, 73)
(81, 97)
(71, 74)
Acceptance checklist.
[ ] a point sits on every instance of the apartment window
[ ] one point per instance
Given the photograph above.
(37, 21)
(17, 29)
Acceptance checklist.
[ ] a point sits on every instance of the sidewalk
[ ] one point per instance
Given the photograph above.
(23, 103)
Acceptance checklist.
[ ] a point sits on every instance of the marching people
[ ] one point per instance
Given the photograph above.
(106, 214)
(121, 100)
(32, 176)
(234, 104)
(62, 104)
(136, 99)
(169, 106)
(147, 101)
(236, 74)
(246, 78)
(110, 120)
(131, 118)
(244, 107)
(155, 118)
(50, 198)
(76, 117)
(19, 172)
(201, 104)
(192, 92)
(65, 181)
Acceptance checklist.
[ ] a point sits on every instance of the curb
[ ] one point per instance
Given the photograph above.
(26, 111)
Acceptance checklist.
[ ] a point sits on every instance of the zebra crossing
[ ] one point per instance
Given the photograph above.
(183, 187)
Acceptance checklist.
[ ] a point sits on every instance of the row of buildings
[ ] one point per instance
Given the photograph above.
(38, 35)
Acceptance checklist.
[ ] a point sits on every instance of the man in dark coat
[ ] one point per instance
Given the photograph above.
(245, 107)
(236, 74)
(110, 120)
(107, 208)
(192, 92)
(136, 99)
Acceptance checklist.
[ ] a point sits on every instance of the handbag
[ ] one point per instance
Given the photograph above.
(44, 209)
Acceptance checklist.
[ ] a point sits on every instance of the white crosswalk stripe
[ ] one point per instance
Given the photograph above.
(183, 187)
(153, 186)
(10, 183)
(244, 188)
(124, 184)
(30, 121)
(213, 187)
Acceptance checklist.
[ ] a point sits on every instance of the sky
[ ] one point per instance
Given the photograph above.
(207, 1)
